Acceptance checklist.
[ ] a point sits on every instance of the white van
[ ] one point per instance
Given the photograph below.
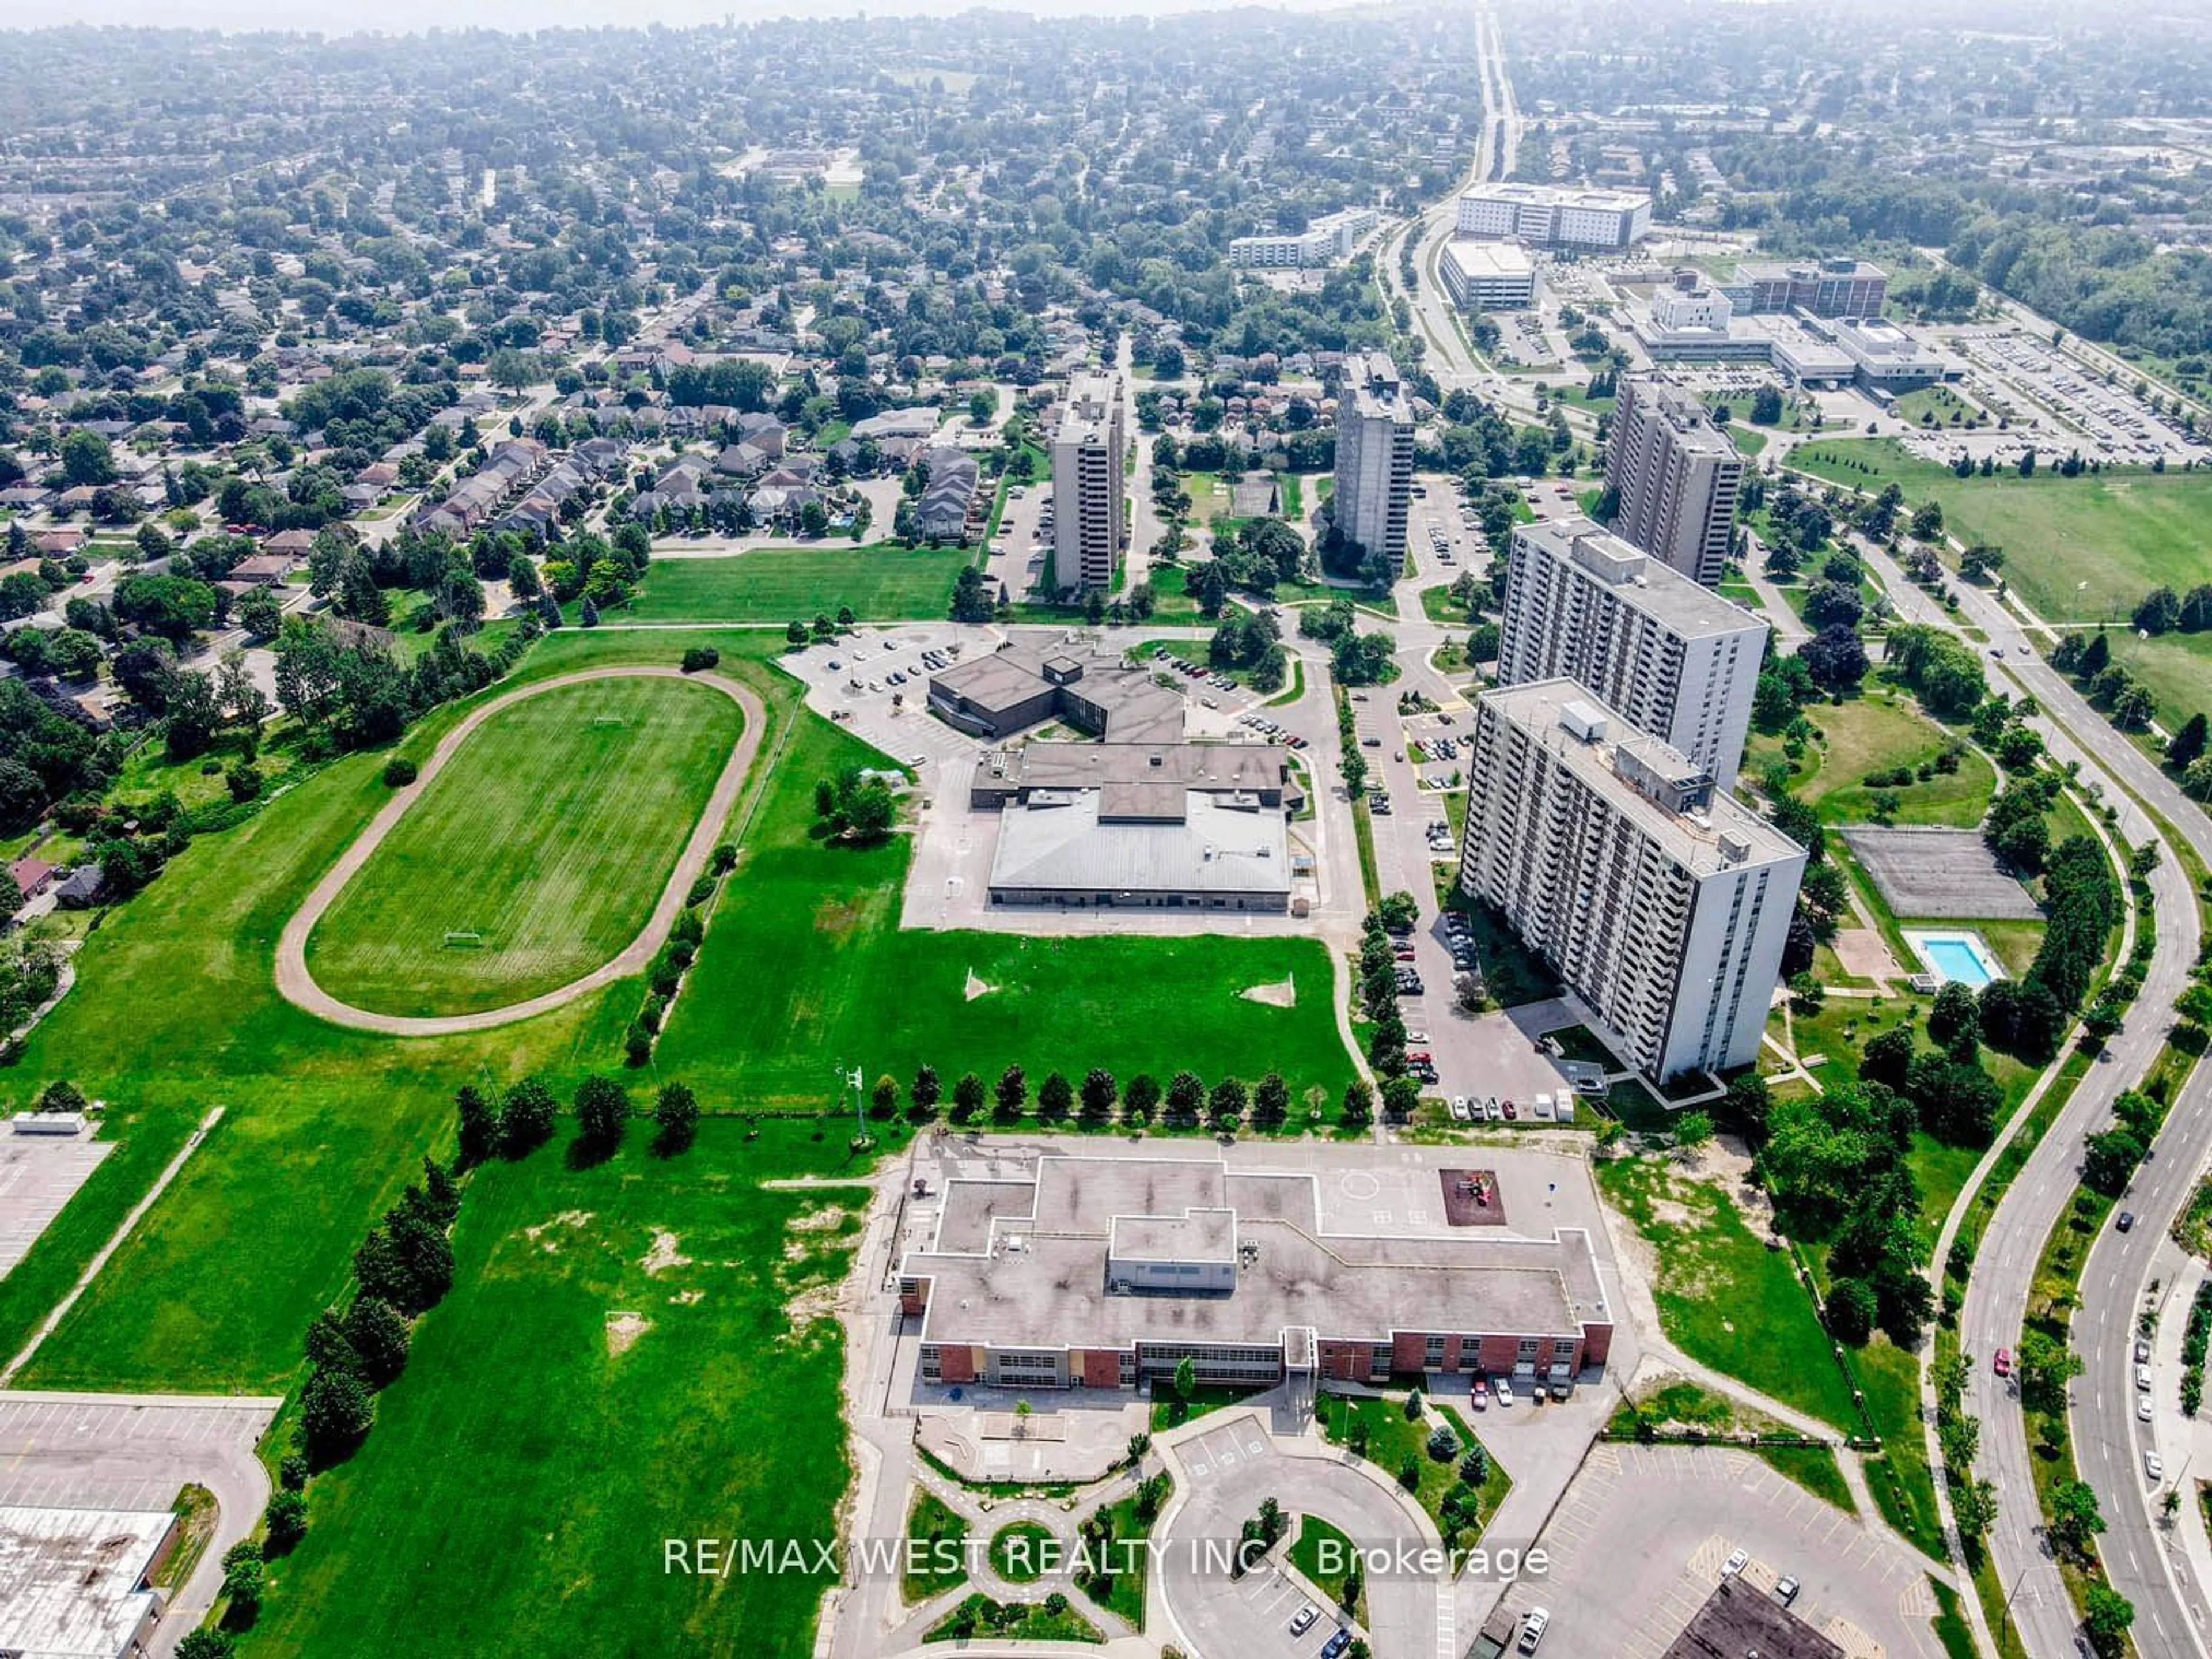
(1543, 1108)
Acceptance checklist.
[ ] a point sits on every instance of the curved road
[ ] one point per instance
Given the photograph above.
(2108, 1443)
(298, 985)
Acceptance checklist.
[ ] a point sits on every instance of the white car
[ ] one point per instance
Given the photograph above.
(1735, 1564)
(1459, 1109)
(2142, 1408)
(2143, 1378)
(1532, 1628)
(1302, 1620)
(1504, 1391)
(2154, 1466)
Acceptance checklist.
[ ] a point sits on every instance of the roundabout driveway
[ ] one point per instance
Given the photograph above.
(298, 986)
(1222, 1475)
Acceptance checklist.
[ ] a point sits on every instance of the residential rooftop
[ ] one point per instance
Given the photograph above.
(1651, 586)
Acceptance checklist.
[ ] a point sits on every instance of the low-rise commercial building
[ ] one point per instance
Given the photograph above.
(1557, 215)
(1143, 847)
(1481, 275)
(1024, 684)
(1105, 1273)
(75, 1583)
(1663, 902)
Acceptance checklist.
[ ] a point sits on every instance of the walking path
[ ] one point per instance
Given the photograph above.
(298, 986)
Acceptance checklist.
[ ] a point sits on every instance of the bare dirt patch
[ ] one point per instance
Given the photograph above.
(978, 987)
(1283, 993)
(571, 1219)
(835, 916)
(827, 1220)
(624, 1329)
(685, 1299)
(808, 1308)
(663, 1255)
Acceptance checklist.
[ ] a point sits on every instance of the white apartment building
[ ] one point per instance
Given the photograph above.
(1557, 215)
(1323, 242)
(1374, 455)
(1674, 477)
(1487, 275)
(1677, 660)
(1663, 903)
(1088, 502)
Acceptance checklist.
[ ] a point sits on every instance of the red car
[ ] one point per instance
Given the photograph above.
(2001, 1363)
(1421, 1057)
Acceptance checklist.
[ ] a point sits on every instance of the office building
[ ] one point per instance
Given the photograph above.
(1663, 902)
(1824, 288)
(1677, 660)
(1374, 457)
(1569, 217)
(1487, 275)
(1674, 477)
(1027, 682)
(1324, 242)
(1106, 1272)
(1088, 502)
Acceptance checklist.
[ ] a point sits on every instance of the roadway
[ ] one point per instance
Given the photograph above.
(2168, 1603)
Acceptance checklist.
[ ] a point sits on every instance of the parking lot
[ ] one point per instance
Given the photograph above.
(40, 1174)
(1642, 1535)
(137, 1452)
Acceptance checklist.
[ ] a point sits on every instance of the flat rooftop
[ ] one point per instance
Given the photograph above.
(70, 1580)
(1738, 1618)
(1479, 258)
(1651, 586)
(1561, 196)
(1008, 1272)
(1122, 839)
(1209, 766)
(1694, 429)
(1693, 838)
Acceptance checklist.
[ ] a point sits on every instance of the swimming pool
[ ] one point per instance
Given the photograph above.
(1957, 958)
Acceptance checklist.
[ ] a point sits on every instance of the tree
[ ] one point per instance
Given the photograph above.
(245, 1577)
(676, 1117)
(1185, 1096)
(1055, 1097)
(1271, 1101)
(2075, 1519)
(378, 1335)
(1012, 1092)
(883, 1099)
(2044, 1365)
(335, 1413)
(1098, 1094)
(1185, 1379)
(1954, 1022)
(602, 1114)
(924, 1093)
(1228, 1103)
(479, 1125)
(1852, 1310)
(1836, 657)
(2186, 745)
(87, 458)
(526, 1118)
(2107, 1615)
(206, 1643)
(1141, 1098)
(1693, 1130)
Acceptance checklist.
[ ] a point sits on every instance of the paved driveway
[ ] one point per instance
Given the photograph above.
(135, 1452)
(1224, 1474)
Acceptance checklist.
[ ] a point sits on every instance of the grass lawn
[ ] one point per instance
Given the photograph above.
(1393, 1438)
(1682, 1404)
(1122, 1592)
(2121, 532)
(1748, 440)
(539, 1468)
(1903, 1489)
(1439, 606)
(1173, 1411)
(879, 580)
(1876, 733)
(938, 1535)
(547, 839)
(1022, 1550)
(1305, 1550)
(1724, 1297)
(1935, 406)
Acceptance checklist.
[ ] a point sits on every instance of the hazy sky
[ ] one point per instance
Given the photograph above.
(347, 16)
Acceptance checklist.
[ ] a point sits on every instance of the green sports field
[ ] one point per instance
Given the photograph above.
(2121, 533)
(536, 853)
(880, 580)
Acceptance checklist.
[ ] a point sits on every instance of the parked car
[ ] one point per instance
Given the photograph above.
(1504, 1392)
(2142, 1408)
(2142, 1354)
(1532, 1628)
(2154, 1466)
(2143, 1378)
(1478, 1394)
(1335, 1647)
(1303, 1619)
(1785, 1591)
(1737, 1561)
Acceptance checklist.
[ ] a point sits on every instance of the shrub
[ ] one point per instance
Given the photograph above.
(399, 772)
(700, 656)
(702, 890)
